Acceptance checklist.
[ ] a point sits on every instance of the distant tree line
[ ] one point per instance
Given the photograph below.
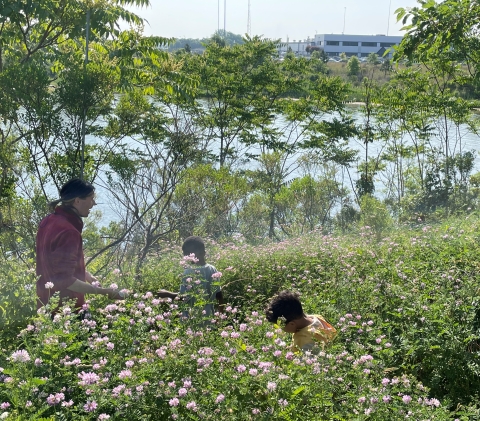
(190, 44)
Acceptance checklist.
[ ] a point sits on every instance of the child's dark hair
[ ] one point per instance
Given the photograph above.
(193, 244)
(287, 305)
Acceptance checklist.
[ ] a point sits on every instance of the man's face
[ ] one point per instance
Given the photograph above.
(83, 206)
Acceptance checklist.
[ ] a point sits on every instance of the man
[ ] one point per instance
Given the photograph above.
(60, 260)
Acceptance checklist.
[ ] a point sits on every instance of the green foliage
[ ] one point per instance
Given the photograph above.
(444, 31)
(241, 84)
(306, 203)
(29, 27)
(374, 215)
(373, 59)
(386, 66)
(17, 298)
(353, 66)
(206, 201)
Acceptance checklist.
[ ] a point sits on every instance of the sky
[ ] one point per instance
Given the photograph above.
(276, 19)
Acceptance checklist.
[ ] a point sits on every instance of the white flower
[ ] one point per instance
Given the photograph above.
(49, 285)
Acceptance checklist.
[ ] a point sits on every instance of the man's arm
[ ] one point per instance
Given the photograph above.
(85, 288)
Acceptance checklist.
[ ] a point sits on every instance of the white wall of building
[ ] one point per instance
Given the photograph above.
(297, 46)
(359, 45)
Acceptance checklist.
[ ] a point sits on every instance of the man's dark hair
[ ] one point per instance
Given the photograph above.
(287, 305)
(76, 188)
(193, 244)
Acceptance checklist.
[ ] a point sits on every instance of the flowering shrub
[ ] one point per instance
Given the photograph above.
(239, 367)
(404, 309)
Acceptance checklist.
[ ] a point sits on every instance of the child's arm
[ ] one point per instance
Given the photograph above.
(163, 293)
(220, 302)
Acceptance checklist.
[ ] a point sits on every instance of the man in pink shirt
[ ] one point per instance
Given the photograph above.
(59, 247)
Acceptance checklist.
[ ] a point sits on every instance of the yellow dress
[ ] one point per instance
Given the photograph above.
(320, 332)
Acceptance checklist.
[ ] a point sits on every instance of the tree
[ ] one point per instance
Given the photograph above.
(373, 59)
(207, 200)
(317, 65)
(447, 29)
(307, 203)
(314, 122)
(229, 37)
(32, 29)
(29, 28)
(161, 143)
(353, 66)
(323, 56)
(242, 86)
(48, 92)
(386, 66)
(312, 48)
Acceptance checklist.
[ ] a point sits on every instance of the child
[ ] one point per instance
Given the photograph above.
(308, 330)
(194, 246)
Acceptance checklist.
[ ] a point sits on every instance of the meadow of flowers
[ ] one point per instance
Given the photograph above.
(405, 309)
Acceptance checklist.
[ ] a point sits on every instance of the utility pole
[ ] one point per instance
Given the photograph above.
(344, 17)
(84, 121)
(225, 19)
(389, 9)
(249, 22)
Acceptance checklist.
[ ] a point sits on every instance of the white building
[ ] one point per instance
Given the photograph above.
(297, 46)
(356, 45)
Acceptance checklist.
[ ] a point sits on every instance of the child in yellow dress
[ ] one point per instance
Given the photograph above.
(309, 331)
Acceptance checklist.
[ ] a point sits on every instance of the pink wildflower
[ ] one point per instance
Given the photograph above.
(192, 405)
(124, 374)
(90, 406)
(21, 356)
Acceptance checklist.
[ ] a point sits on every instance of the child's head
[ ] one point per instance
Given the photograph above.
(285, 305)
(196, 246)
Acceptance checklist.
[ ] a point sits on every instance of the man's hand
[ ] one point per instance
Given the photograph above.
(91, 279)
(86, 288)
